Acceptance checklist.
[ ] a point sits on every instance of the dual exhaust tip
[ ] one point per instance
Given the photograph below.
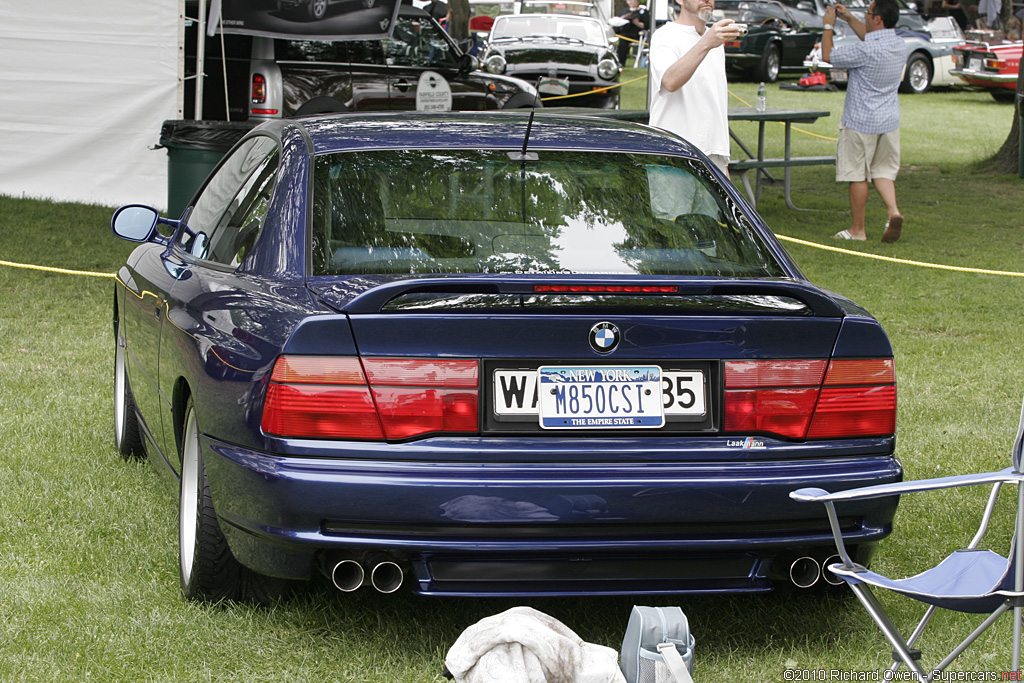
(349, 573)
(805, 571)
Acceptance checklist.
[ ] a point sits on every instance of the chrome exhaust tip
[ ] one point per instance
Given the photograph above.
(804, 572)
(386, 576)
(344, 572)
(830, 578)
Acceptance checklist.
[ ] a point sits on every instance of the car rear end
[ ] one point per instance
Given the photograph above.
(988, 66)
(570, 370)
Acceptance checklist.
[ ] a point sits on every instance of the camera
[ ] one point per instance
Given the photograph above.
(742, 28)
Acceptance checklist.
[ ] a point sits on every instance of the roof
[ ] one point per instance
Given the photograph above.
(505, 129)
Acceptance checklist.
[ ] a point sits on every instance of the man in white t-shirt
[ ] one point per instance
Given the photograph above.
(689, 95)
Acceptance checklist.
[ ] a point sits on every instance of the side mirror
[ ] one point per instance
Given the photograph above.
(135, 222)
(469, 63)
(805, 6)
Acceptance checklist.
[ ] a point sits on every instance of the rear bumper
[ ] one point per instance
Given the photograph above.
(983, 79)
(556, 527)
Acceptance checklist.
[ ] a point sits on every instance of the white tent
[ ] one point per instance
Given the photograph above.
(84, 88)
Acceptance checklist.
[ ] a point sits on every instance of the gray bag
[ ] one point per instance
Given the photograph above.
(658, 646)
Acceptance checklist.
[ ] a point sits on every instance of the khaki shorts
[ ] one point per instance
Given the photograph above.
(861, 157)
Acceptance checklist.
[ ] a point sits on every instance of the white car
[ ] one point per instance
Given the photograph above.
(929, 58)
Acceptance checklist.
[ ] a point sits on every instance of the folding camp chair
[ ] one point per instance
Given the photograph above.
(971, 580)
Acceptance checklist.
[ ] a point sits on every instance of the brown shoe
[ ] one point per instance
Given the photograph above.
(893, 228)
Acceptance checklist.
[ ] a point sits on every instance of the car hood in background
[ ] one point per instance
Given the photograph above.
(553, 53)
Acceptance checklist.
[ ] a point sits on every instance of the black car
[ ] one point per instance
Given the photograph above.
(567, 57)
(770, 46)
(314, 10)
(418, 67)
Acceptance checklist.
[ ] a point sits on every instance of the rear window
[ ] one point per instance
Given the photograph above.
(470, 211)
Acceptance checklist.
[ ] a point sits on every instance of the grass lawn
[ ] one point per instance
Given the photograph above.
(88, 578)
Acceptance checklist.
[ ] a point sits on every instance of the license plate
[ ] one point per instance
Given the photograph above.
(553, 86)
(600, 397)
(516, 394)
(976, 65)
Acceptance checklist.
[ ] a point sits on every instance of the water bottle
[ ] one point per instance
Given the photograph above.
(762, 97)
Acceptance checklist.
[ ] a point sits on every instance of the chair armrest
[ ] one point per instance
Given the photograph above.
(817, 495)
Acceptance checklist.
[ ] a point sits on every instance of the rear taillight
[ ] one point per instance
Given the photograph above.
(813, 399)
(327, 397)
(259, 89)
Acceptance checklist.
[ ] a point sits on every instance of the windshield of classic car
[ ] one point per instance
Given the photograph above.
(469, 211)
(549, 25)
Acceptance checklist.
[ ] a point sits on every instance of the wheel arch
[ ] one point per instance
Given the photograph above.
(916, 55)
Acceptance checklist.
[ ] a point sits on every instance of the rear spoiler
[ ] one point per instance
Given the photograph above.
(374, 300)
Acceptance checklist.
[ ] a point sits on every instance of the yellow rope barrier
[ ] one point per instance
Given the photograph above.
(890, 259)
(47, 269)
(591, 92)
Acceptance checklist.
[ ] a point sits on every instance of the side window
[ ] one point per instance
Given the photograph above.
(418, 42)
(229, 214)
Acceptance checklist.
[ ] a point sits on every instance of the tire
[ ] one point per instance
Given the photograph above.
(317, 9)
(321, 105)
(127, 432)
(917, 77)
(771, 64)
(207, 569)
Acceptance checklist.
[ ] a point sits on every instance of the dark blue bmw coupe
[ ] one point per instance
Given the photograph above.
(484, 354)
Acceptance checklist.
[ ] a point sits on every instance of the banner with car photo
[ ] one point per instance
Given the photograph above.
(314, 19)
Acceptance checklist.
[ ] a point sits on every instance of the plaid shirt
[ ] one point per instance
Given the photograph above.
(875, 65)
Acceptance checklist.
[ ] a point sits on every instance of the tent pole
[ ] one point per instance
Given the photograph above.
(200, 59)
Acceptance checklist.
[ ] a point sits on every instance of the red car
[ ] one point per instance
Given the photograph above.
(990, 66)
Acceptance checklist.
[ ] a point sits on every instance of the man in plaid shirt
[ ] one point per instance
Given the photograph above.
(868, 148)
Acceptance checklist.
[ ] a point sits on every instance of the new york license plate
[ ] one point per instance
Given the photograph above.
(600, 397)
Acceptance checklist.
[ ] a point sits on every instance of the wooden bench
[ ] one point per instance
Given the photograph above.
(747, 164)
(760, 166)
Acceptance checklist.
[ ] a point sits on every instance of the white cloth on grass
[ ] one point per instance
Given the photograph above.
(523, 645)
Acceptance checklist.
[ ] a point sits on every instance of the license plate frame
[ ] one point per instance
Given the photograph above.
(600, 397)
(554, 87)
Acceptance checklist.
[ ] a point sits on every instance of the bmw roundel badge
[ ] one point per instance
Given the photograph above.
(604, 337)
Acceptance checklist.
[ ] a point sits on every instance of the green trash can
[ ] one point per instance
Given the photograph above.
(194, 148)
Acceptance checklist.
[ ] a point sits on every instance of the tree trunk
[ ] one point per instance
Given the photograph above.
(458, 19)
(1006, 160)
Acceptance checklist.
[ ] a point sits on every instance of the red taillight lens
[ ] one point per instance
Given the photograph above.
(259, 89)
(775, 373)
(799, 399)
(858, 399)
(321, 412)
(376, 398)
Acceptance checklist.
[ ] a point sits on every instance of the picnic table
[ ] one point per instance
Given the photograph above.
(758, 163)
